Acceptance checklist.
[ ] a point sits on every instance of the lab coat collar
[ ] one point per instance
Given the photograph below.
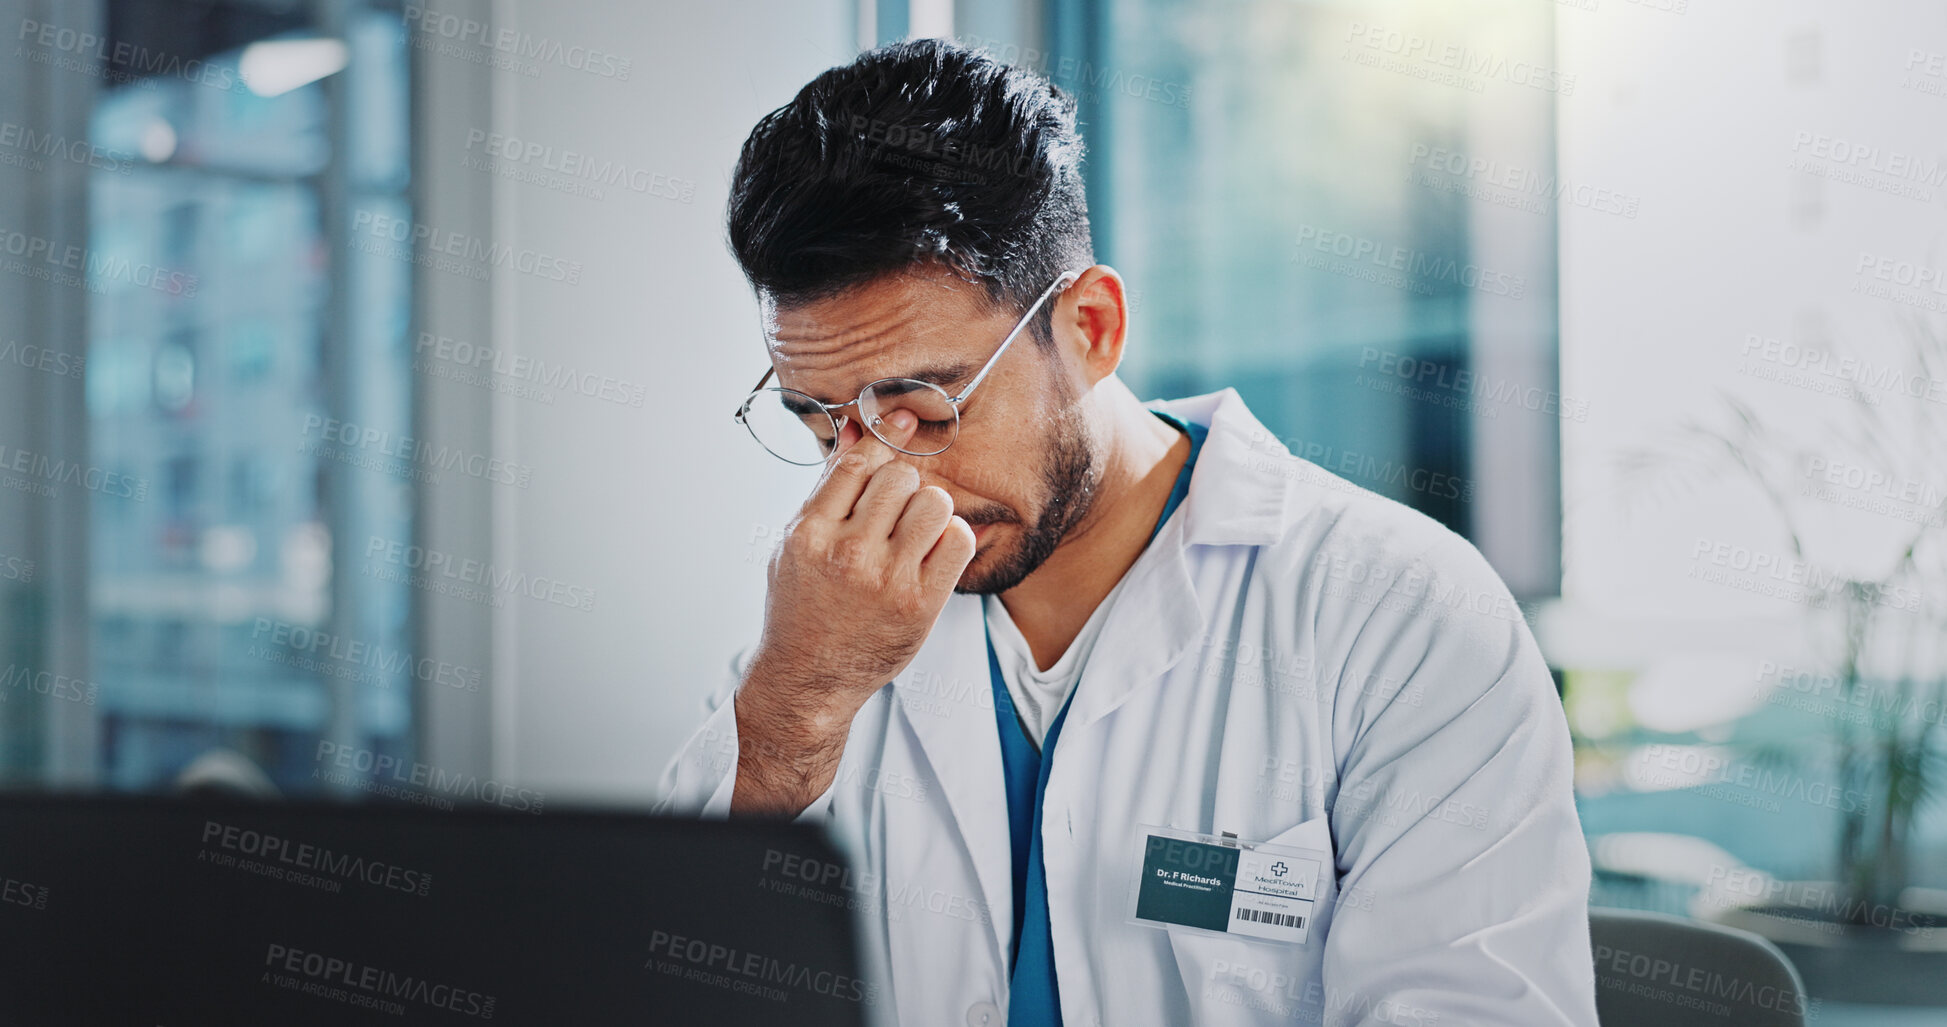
(1234, 499)
(1237, 497)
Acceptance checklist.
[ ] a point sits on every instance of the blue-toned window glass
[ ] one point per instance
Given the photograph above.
(1346, 212)
(227, 611)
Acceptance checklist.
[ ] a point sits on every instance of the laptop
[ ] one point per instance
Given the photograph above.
(190, 912)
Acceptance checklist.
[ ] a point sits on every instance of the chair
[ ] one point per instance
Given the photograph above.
(1666, 971)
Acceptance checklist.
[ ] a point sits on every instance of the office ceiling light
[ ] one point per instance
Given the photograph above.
(158, 141)
(277, 66)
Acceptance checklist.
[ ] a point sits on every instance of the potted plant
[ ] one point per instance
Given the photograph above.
(1870, 935)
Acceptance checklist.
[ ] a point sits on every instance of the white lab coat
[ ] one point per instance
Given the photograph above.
(1296, 661)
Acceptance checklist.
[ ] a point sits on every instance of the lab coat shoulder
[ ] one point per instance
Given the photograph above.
(1463, 873)
(1380, 589)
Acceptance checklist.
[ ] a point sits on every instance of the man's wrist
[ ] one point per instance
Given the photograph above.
(788, 747)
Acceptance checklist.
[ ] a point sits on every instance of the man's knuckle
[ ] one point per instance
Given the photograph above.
(848, 552)
(904, 476)
(909, 600)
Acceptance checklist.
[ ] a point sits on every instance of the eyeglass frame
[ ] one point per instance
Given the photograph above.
(1067, 278)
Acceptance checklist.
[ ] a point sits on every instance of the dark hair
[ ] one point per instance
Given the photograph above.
(917, 152)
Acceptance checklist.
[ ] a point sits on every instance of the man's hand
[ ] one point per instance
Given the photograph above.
(863, 573)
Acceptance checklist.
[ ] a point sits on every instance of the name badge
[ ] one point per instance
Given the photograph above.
(1224, 885)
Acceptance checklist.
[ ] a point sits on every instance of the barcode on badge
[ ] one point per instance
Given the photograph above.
(1261, 916)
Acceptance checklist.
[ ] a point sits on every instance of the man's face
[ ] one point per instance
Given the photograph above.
(1023, 471)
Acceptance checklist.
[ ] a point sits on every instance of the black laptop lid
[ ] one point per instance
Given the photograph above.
(170, 913)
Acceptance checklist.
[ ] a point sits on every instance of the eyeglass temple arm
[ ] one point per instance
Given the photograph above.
(1056, 286)
(745, 405)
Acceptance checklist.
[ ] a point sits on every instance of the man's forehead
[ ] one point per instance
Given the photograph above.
(911, 327)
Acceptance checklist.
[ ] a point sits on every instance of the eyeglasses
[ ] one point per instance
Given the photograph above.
(799, 429)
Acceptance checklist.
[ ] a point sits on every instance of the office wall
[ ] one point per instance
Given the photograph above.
(660, 510)
(1766, 147)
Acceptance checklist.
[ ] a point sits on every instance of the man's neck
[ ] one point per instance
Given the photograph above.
(1140, 461)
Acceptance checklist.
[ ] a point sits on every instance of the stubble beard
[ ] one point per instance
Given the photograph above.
(1068, 491)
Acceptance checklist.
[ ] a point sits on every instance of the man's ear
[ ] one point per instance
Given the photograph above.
(1094, 315)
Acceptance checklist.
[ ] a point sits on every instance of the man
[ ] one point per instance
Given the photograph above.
(1124, 714)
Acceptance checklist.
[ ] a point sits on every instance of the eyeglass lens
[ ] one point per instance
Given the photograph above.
(793, 425)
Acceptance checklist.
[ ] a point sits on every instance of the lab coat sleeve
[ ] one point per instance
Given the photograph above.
(1464, 876)
(702, 776)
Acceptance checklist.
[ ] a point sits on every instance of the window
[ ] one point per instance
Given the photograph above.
(226, 324)
(1361, 244)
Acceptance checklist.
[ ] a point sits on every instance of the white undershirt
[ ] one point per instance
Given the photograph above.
(1038, 694)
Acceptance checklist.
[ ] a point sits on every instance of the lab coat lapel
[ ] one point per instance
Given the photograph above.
(952, 718)
(1154, 622)
(1236, 497)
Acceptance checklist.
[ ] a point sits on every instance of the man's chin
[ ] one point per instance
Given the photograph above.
(995, 568)
(977, 579)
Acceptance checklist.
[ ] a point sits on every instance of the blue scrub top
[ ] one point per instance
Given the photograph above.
(1033, 998)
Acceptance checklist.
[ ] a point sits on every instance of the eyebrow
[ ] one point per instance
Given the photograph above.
(941, 375)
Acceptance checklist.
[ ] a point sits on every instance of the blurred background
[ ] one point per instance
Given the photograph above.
(366, 372)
